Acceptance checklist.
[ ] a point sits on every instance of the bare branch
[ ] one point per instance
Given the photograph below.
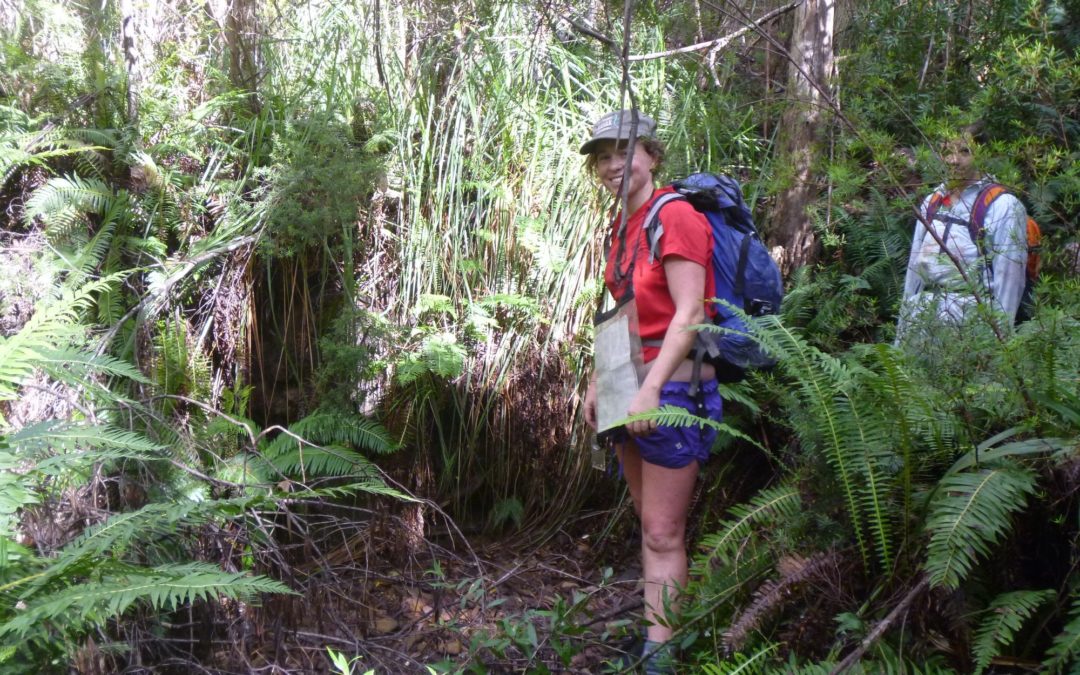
(588, 30)
(719, 43)
(900, 610)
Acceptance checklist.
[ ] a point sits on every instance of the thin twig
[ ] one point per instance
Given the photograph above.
(588, 30)
(719, 43)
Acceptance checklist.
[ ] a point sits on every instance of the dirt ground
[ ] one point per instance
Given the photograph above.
(567, 604)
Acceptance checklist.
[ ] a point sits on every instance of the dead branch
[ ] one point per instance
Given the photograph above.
(853, 658)
(588, 30)
(719, 43)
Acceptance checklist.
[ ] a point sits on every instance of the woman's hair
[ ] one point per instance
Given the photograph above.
(650, 145)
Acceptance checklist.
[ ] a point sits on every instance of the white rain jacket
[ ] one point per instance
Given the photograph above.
(932, 281)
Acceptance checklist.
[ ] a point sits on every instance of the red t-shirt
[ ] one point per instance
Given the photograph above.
(687, 234)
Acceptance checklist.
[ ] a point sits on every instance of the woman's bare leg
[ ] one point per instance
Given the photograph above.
(662, 500)
(665, 502)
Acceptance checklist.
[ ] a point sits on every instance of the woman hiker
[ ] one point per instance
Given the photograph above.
(667, 293)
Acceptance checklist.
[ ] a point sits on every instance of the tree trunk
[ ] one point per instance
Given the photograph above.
(242, 37)
(128, 32)
(809, 74)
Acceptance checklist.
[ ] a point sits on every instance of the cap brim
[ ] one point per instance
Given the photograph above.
(590, 145)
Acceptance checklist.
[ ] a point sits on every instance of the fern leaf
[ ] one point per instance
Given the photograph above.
(821, 381)
(366, 485)
(152, 524)
(62, 195)
(90, 256)
(1002, 619)
(771, 505)
(83, 363)
(969, 513)
(1031, 446)
(313, 461)
(234, 424)
(674, 416)
(15, 494)
(742, 664)
(163, 587)
(38, 342)
(57, 436)
(1066, 647)
(324, 428)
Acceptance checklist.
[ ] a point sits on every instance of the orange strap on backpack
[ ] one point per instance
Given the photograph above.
(1034, 235)
(977, 227)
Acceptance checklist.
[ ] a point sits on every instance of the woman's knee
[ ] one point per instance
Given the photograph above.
(663, 535)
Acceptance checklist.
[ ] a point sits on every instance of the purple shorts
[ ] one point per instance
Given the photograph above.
(675, 447)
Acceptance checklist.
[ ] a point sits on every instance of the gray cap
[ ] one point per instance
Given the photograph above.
(616, 126)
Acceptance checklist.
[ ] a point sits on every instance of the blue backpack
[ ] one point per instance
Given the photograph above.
(746, 275)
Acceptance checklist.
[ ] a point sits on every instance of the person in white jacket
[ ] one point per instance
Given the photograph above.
(950, 272)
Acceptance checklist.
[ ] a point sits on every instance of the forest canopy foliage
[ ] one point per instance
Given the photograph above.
(287, 284)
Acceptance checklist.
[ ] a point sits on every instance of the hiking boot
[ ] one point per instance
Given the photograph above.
(659, 658)
(630, 654)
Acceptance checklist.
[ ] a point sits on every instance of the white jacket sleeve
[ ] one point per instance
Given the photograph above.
(1006, 242)
(913, 282)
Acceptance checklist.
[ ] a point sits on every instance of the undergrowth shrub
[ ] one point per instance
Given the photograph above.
(929, 465)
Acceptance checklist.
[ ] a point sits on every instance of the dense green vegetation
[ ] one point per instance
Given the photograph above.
(285, 284)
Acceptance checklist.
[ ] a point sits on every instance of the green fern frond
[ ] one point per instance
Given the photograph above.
(38, 342)
(106, 138)
(164, 587)
(234, 424)
(63, 448)
(1002, 618)
(674, 416)
(149, 246)
(311, 461)
(88, 257)
(324, 427)
(771, 505)
(21, 353)
(440, 355)
(61, 194)
(81, 364)
(104, 245)
(110, 307)
(869, 438)
(914, 422)
(1066, 648)
(12, 158)
(369, 485)
(149, 527)
(969, 513)
(59, 436)
(836, 427)
(39, 148)
(988, 453)
(257, 471)
(15, 493)
(743, 664)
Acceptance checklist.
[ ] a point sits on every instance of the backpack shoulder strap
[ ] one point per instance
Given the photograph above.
(653, 227)
(937, 198)
(986, 197)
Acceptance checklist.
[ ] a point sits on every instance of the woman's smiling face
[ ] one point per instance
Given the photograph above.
(612, 167)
